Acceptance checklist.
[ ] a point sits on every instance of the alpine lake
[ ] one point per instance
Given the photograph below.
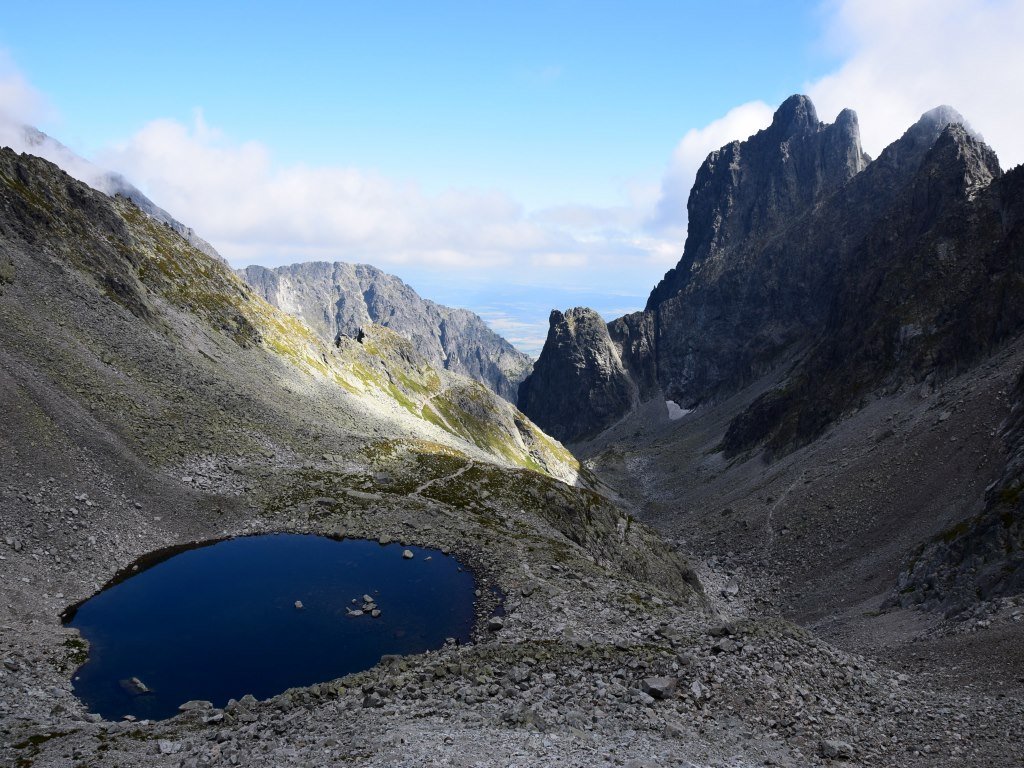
(260, 614)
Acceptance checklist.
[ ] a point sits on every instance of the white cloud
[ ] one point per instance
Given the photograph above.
(903, 58)
(19, 101)
(235, 195)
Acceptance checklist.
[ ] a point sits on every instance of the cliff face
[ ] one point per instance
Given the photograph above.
(582, 366)
(932, 287)
(789, 233)
(752, 187)
(342, 298)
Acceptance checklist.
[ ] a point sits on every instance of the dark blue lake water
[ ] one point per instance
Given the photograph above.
(219, 621)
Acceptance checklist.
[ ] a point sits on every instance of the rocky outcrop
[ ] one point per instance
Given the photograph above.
(747, 189)
(789, 233)
(634, 337)
(930, 289)
(582, 367)
(338, 298)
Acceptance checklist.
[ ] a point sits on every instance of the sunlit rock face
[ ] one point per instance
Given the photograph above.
(339, 298)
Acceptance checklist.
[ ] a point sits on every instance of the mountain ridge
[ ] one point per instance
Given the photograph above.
(30, 139)
(340, 298)
(908, 276)
(762, 260)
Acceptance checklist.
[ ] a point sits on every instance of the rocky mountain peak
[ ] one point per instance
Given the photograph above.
(796, 115)
(961, 156)
(941, 116)
(903, 157)
(582, 364)
(781, 227)
(747, 189)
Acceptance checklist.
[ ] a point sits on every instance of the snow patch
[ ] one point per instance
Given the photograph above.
(674, 411)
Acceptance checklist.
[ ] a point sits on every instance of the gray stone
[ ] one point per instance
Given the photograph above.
(134, 686)
(674, 731)
(168, 747)
(725, 645)
(195, 704)
(659, 687)
(836, 750)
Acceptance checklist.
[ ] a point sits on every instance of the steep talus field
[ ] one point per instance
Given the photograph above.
(340, 298)
(981, 557)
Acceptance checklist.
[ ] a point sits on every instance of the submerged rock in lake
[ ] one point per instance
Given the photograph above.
(134, 686)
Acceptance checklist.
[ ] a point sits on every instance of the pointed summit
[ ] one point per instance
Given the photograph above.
(901, 159)
(746, 189)
(941, 116)
(928, 127)
(795, 116)
(582, 365)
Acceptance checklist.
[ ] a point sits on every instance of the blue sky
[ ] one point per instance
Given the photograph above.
(552, 101)
(484, 152)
